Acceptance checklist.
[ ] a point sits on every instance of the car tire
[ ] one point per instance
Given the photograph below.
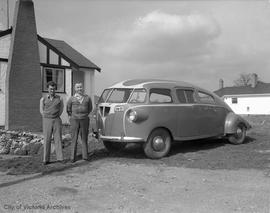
(114, 146)
(239, 136)
(158, 144)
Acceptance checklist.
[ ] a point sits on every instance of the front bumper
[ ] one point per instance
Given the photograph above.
(121, 139)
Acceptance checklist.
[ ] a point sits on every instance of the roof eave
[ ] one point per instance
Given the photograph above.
(95, 68)
(6, 32)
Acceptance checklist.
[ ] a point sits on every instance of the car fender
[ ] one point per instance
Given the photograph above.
(232, 121)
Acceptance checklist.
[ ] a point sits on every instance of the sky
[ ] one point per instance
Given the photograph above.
(194, 41)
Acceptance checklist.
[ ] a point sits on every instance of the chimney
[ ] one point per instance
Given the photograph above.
(221, 83)
(23, 81)
(254, 80)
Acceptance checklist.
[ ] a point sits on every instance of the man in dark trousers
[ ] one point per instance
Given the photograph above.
(51, 107)
(78, 108)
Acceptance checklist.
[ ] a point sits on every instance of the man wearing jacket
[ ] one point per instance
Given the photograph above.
(78, 108)
(51, 107)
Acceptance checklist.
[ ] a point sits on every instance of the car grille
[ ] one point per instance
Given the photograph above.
(104, 111)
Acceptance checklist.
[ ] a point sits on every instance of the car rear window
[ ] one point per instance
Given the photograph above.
(160, 95)
(206, 98)
(185, 95)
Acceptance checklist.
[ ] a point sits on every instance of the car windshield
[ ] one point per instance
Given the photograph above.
(119, 95)
(138, 96)
(104, 95)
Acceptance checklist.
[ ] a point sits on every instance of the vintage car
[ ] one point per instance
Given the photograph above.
(157, 112)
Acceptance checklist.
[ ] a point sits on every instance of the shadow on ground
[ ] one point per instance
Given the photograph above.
(181, 154)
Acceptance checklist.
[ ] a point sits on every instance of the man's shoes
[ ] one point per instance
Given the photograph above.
(86, 159)
(46, 163)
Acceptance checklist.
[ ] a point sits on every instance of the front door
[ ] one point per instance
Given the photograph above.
(3, 70)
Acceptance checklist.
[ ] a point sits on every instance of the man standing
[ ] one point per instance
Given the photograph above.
(78, 108)
(51, 107)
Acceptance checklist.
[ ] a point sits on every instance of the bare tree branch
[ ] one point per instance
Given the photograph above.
(243, 80)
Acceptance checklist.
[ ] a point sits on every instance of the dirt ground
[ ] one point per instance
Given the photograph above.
(198, 176)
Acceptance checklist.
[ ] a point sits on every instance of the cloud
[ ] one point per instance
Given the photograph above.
(160, 36)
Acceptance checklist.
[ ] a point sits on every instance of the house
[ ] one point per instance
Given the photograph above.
(253, 99)
(27, 62)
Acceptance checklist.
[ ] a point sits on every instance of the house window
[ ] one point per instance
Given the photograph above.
(234, 101)
(54, 74)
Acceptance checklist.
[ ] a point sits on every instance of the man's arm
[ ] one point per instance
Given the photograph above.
(69, 106)
(61, 105)
(90, 107)
(41, 105)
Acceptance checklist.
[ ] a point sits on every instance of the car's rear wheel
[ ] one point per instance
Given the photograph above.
(114, 146)
(158, 144)
(239, 136)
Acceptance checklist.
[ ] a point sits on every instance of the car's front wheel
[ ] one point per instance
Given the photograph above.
(158, 144)
(114, 146)
(239, 136)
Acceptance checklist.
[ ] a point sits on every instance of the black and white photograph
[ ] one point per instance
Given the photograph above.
(135, 106)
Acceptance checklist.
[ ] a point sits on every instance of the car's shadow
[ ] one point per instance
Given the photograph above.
(135, 151)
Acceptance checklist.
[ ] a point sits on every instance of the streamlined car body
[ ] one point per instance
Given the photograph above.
(157, 112)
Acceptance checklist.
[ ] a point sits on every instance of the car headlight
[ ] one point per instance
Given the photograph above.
(132, 116)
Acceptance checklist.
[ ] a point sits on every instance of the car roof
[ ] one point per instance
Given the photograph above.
(147, 83)
(158, 83)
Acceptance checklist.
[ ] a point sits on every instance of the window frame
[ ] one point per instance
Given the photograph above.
(135, 90)
(119, 89)
(154, 88)
(44, 87)
(234, 100)
(206, 93)
(185, 94)
(107, 96)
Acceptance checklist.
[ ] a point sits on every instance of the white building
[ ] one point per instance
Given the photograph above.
(253, 99)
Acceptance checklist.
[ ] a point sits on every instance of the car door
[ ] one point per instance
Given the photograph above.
(208, 115)
(186, 114)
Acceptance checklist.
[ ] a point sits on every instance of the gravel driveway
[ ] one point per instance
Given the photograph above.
(200, 176)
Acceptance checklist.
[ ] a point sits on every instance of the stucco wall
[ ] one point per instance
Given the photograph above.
(250, 105)
(89, 82)
(4, 46)
(3, 71)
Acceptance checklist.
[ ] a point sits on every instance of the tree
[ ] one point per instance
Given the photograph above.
(243, 80)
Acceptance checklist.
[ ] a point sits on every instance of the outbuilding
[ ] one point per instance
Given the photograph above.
(252, 99)
(27, 62)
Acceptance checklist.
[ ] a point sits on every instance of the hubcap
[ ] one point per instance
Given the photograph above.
(158, 143)
(239, 132)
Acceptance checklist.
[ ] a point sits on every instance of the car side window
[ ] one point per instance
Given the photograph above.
(206, 98)
(160, 96)
(185, 95)
(138, 96)
(190, 96)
